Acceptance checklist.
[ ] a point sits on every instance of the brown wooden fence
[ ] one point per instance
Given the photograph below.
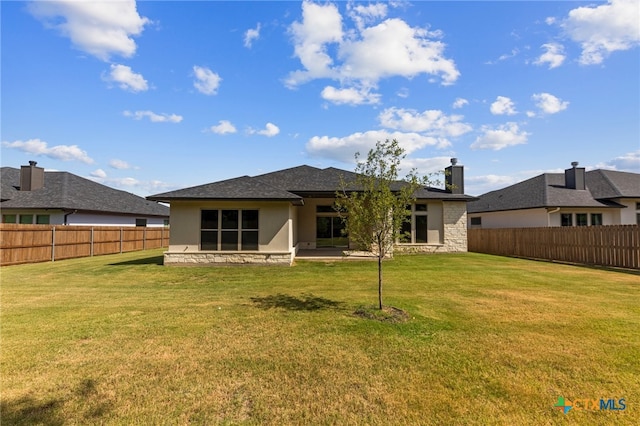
(42, 243)
(616, 245)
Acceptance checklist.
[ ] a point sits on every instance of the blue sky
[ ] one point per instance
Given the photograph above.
(153, 96)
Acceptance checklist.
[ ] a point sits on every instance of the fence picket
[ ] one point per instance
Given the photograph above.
(613, 245)
(44, 243)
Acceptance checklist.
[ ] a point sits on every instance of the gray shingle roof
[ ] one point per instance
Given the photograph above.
(242, 188)
(66, 191)
(288, 184)
(603, 187)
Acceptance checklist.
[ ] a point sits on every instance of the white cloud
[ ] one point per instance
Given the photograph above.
(350, 96)
(59, 152)
(321, 25)
(554, 55)
(153, 117)
(503, 136)
(119, 164)
(223, 127)
(548, 103)
(503, 106)
(344, 148)
(459, 103)
(99, 173)
(364, 14)
(207, 82)
(126, 79)
(426, 165)
(250, 35)
(270, 130)
(629, 162)
(400, 50)
(432, 122)
(604, 29)
(101, 29)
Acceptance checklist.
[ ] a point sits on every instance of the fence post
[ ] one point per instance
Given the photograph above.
(144, 238)
(121, 240)
(92, 241)
(53, 243)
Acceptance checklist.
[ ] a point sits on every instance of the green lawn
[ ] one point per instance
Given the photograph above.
(123, 340)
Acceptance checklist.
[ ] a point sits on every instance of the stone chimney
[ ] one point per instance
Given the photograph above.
(574, 177)
(31, 177)
(454, 178)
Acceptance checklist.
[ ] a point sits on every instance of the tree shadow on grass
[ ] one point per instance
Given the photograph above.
(28, 411)
(153, 260)
(306, 302)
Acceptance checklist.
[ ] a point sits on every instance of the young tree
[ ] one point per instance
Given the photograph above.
(374, 206)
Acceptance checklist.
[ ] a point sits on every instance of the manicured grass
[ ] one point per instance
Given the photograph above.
(123, 340)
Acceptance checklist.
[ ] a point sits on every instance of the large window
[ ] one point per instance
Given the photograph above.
(415, 228)
(581, 219)
(229, 230)
(596, 219)
(566, 219)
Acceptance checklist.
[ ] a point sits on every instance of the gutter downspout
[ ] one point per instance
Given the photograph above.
(549, 212)
(69, 214)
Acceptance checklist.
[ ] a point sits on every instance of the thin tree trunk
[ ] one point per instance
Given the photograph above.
(380, 281)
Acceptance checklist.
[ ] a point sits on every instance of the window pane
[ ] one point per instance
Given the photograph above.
(476, 220)
(230, 219)
(405, 231)
(581, 219)
(596, 219)
(249, 240)
(421, 207)
(42, 219)
(250, 219)
(8, 218)
(26, 218)
(141, 222)
(209, 240)
(421, 229)
(566, 219)
(209, 219)
(229, 240)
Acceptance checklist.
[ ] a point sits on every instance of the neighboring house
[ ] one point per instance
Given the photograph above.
(32, 195)
(268, 218)
(575, 198)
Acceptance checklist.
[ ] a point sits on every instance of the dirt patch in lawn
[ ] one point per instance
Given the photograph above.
(387, 314)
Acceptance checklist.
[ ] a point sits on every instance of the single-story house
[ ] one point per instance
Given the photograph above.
(572, 198)
(32, 195)
(268, 218)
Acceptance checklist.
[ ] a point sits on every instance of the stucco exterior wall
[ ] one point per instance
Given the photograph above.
(56, 217)
(306, 224)
(447, 229)
(275, 235)
(535, 218)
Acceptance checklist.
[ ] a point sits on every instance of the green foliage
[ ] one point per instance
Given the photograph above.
(376, 203)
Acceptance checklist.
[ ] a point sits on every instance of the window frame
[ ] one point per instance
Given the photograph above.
(422, 212)
(228, 232)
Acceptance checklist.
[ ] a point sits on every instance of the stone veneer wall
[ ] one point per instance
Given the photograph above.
(455, 226)
(195, 259)
(455, 232)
